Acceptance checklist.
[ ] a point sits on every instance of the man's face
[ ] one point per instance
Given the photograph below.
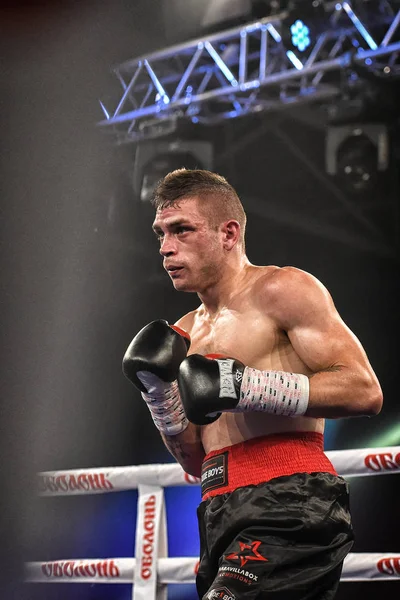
(191, 248)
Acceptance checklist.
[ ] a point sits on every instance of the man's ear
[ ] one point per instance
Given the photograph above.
(231, 233)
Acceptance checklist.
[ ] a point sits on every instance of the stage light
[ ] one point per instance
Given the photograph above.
(155, 159)
(300, 35)
(356, 154)
(303, 24)
(357, 167)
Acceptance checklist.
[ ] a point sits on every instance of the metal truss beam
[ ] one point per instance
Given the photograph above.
(248, 69)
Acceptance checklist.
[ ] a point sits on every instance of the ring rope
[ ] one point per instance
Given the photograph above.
(357, 566)
(152, 570)
(349, 463)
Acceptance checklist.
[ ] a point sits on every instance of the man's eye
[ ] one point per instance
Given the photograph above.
(182, 229)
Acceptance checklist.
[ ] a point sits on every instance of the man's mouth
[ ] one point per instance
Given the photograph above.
(173, 270)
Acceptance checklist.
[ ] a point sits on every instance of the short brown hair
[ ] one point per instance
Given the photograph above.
(222, 201)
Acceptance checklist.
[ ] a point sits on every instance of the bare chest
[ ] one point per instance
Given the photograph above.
(245, 334)
(251, 336)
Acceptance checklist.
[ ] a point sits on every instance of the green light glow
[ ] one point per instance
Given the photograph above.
(391, 437)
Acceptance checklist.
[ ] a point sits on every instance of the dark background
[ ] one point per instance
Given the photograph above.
(82, 274)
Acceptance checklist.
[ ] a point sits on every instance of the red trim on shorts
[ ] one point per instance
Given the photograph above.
(263, 458)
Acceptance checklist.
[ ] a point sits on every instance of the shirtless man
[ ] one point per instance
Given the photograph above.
(239, 389)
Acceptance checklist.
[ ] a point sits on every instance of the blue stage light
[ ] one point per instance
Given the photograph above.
(300, 35)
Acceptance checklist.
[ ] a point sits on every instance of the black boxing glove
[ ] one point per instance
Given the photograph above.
(201, 382)
(151, 363)
(214, 384)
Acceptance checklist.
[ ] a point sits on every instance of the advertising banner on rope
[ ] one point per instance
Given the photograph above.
(368, 566)
(349, 463)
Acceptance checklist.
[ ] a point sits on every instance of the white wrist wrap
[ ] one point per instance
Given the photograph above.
(275, 392)
(164, 402)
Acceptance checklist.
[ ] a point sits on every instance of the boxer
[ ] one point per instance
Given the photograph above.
(239, 389)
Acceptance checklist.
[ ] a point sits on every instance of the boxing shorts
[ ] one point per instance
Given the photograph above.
(274, 521)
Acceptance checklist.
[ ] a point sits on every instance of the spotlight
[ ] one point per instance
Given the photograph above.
(300, 35)
(357, 164)
(302, 25)
(356, 154)
(155, 159)
(159, 166)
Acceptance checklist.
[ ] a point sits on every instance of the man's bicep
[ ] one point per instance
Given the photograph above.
(315, 329)
(325, 342)
(305, 310)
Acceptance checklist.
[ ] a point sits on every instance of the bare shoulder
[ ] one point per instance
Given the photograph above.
(294, 278)
(274, 281)
(289, 291)
(186, 322)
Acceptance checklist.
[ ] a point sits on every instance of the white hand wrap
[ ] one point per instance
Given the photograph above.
(164, 402)
(275, 392)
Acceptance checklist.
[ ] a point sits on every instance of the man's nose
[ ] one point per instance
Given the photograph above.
(168, 246)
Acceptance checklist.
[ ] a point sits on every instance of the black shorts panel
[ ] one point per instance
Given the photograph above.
(282, 540)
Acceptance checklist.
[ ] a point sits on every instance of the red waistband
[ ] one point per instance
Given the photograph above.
(263, 458)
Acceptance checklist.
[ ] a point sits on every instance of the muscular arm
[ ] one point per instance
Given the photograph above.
(342, 382)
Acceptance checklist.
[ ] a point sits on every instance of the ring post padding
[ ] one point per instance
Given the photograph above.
(151, 543)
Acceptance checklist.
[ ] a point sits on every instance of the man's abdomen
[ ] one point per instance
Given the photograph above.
(232, 428)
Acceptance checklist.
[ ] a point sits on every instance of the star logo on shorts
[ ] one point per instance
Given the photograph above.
(244, 556)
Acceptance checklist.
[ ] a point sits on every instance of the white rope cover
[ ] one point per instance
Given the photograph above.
(357, 567)
(349, 463)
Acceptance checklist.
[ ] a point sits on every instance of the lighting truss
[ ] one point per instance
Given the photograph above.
(250, 69)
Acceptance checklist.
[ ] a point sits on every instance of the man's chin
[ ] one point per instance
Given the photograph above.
(182, 286)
